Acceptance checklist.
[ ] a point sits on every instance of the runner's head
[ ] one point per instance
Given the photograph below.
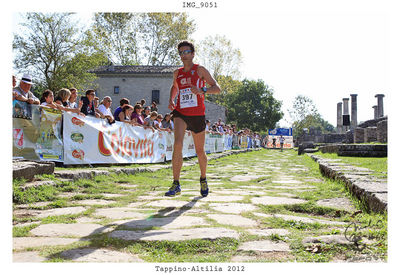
(186, 50)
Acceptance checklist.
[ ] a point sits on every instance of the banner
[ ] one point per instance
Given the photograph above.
(91, 140)
(37, 132)
(280, 131)
(273, 142)
(214, 143)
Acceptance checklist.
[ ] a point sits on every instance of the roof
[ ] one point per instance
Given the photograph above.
(134, 69)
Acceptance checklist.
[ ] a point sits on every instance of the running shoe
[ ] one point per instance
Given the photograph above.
(174, 190)
(203, 187)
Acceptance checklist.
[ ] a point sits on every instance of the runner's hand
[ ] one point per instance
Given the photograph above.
(196, 90)
(171, 105)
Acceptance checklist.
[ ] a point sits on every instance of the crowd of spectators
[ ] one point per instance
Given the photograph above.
(136, 115)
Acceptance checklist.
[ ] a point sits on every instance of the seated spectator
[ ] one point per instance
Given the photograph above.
(158, 124)
(88, 104)
(124, 101)
(167, 122)
(137, 114)
(149, 121)
(105, 110)
(23, 93)
(48, 100)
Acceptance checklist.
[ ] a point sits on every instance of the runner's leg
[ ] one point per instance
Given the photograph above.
(199, 140)
(179, 134)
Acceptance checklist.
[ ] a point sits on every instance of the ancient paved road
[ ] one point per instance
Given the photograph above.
(243, 192)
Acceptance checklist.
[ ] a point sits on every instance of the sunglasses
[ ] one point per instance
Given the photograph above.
(185, 52)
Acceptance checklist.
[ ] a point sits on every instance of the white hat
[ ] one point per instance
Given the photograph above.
(27, 78)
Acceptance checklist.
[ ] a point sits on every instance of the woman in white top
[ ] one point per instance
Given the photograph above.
(48, 100)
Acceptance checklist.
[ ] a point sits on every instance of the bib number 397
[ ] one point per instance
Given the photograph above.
(187, 98)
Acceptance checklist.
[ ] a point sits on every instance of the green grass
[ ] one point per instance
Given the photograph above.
(375, 164)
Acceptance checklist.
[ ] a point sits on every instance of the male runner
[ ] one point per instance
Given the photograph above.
(189, 84)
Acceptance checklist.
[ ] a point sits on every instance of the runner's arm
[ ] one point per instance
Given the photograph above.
(173, 92)
(213, 85)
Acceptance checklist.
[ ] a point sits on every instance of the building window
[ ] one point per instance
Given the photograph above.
(155, 96)
(116, 89)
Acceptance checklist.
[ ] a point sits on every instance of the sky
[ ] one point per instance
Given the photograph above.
(323, 54)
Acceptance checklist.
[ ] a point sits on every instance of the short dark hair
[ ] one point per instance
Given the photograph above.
(89, 91)
(123, 101)
(186, 43)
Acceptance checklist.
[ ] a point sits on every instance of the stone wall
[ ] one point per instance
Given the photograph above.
(359, 135)
(382, 131)
(370, 134)
(372, 122)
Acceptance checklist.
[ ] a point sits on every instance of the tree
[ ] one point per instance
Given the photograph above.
(304, 114)
(219, 57)
(117, 35)
(142, 38)
(253, 106)
(228, 86)
(55, 52)
(161, 33)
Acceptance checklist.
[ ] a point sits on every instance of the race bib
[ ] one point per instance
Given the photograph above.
(187, 98)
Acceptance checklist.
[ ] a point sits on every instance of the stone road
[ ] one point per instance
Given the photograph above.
(233, 210)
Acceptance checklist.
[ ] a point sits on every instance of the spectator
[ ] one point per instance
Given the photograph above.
(88, 104)
(281, 141)
(146, 112)
(124, 101)
(167, 122)
(63, 95)
(136, 115)
(126, 113)
(14, 83)
(149, 121)
(158, 124)
(48, 100)
(23, 93)
(154, 107)
(208, 124)
(142, 102)
(72, 99)
(104, 109)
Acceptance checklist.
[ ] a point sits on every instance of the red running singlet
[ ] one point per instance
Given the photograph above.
(189, 104)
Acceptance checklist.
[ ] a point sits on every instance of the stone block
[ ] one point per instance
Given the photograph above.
(359, 135)
(28, 169)
(370, 134)
(382, 131)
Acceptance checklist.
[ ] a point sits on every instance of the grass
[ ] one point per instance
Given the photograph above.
(375, 164)
(220, 250)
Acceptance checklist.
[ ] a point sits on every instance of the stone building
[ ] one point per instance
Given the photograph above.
(151, 83)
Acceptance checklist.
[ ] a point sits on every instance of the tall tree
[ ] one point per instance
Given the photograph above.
(161, 33)
(49, 40)
(219, 56)
(253, 106)
(117, 35)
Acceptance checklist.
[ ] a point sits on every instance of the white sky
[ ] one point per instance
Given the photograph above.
(325, 50)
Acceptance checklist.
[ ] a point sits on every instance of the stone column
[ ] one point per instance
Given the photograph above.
(380, 104)
(346, 116)
(353, 111)
(339, 125)
(375, 111)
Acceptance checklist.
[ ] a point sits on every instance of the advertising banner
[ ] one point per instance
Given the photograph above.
(91, 140)
(280, 131)
(37, 132)
(273, 142)
(214, 143)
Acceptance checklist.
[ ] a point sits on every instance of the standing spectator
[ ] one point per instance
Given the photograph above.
(154, 107)
(208, 124)
(167, 122)
(126, 113)
(23, 93)
(72, 98)
(124, 101)
(146, 112)
(149, 121)
(281, 141)
(63, 95)
(88, 104)
(158, 124)
(142, 102)
(105, 109)
(14, 83)
(137, 114)
(48, 100)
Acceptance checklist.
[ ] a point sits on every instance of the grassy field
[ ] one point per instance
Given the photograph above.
(132, 187)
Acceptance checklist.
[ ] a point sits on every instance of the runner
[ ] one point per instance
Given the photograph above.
(281, 141)
(189, 84)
